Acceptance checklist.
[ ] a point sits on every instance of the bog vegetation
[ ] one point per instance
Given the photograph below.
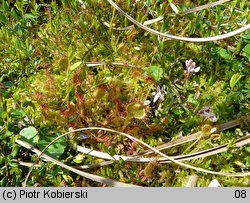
(128, 107)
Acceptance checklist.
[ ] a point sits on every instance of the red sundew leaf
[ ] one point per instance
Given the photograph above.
(107, 143)
(76, 79)
(69, 111)
(79, 96)
(144, 176)
(149, 79)
(134, 130)
(39, 96)
(132, 148)
(118, 104)
(65, 113)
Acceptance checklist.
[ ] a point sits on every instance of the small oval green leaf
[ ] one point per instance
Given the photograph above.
(156, 72)
(30, 134)
(224, 53)
(56, 149)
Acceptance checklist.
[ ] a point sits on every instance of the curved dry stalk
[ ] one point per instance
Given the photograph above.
(201, 154)
(209, 152)
(107, 156)
(104, 63)
(148, 22)
(137, 158)
(197, 135)
(96, 178)
(213, 130)
(192, 10)
(104, 163)
(170, 158)
(148, 146)
(209, 5)
(27, 164)
(188, 39)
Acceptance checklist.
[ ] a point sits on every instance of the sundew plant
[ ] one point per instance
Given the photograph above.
(124, 93)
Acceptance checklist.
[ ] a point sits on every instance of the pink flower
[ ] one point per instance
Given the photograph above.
(207, 112)
(191, 66)
(160, 93)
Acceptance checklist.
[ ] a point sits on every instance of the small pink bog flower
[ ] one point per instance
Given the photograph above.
(207, 112)
(160, 93)
(191, 66)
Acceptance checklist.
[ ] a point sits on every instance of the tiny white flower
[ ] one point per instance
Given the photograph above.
(137, 48)
(195, 84)
(146, 102)
(197, 69)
